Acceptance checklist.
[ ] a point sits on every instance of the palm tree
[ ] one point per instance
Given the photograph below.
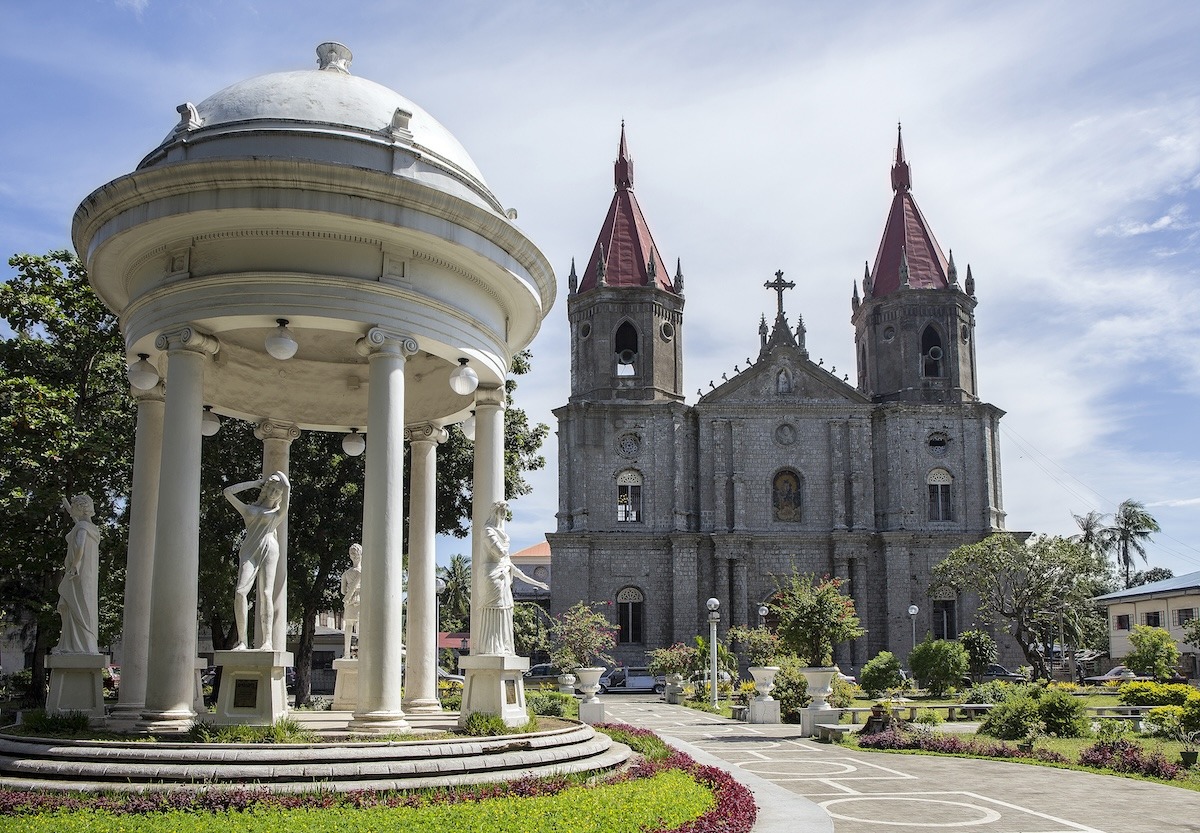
(1132, 526)
(1093, 535)
(455, 600)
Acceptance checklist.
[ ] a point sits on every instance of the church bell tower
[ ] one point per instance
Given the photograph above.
(626, 312)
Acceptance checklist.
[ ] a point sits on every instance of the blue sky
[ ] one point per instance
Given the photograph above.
(1055, 147)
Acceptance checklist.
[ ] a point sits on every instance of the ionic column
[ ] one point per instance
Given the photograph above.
(277, 438)
(172, 643)
(488, 475)
(139, 559)
(721, 578)
(420, 665)
(380, 624)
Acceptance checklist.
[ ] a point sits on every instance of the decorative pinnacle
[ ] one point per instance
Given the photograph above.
(623, 167)
(901, 174)
(903, 268)
(572, 279)
(951, 269)
(601, 267)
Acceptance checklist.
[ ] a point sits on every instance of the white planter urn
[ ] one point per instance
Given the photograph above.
(820, 685)
(764, 680)
(566, 684)
(589, 683)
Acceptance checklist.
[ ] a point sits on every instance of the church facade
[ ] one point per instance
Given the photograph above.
(784, 466)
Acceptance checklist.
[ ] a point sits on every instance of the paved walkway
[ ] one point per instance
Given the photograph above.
(795, 779)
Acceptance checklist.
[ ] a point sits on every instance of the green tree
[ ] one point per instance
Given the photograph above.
(581, 637)
(455, 600)
(66, 426)
(981, 650)
(1151, 575)
(938, 664)
(1191, 633)
(1094, 536)
(1154, 653)
(814, 616)
(1018, 582)
(758, 646)
(1131, 528)
(531, 630)
(880, 673)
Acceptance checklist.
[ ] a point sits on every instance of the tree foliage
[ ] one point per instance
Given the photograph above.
(66, 426)
(814, 615)
(1151, 575)
(881, 673)
(938, 664)
(981, 650)
(1019, 584)
(455, 600)
(1154, 652)
(1131, 528)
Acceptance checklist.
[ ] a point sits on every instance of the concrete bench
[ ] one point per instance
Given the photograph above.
(834, 732)
(739, 712)
(970, 711)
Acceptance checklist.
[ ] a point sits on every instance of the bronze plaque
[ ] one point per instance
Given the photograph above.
(245, 694)
(510, 692)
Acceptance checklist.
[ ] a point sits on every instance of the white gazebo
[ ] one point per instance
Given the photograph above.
(309, 251)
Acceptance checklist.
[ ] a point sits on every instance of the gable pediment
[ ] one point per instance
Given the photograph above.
(784, 376)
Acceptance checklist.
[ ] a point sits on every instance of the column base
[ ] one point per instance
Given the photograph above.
(345, 686)
(423, 707)
(494, 685)
(166, 723)
(378, 723)
(253, 688)
(764, 711)
(76, 684)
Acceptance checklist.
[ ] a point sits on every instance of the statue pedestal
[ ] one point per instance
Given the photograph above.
(76, 684)
(345, 686)
(494, 685)
(591, 713)
(253, 687)
(810, 717)
(764, 711)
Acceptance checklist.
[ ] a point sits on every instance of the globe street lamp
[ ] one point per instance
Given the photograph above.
(714, 616)
(913, 610)
(763, 610)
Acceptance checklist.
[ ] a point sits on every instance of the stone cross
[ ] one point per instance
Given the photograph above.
(779, 284)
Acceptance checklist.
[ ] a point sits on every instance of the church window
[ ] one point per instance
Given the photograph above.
(629, 496)
(944, 615)
(783, 382)
(585, 330)
(667, 330)
(786, 496)
(625, 345)
(931, 353)
(941, 508)
(631, 604)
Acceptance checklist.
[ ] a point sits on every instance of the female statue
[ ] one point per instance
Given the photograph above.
(259, 555)
(77, 592)
(496, 623)
(351, 595)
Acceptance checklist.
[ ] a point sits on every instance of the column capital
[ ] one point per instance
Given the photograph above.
(158, 393)
(490, 395)
(381, 341)
(187, 338)
(425, 432)
(271, 429)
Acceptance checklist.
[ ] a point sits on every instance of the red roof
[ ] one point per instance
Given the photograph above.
(539, 550)
(625, 245)
(907, 240)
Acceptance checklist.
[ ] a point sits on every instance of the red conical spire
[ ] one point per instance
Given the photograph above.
(908, 246)
(623, 167)
(625, 246)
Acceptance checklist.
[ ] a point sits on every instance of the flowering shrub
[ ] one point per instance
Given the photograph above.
(949, 744)
(814, 615)
(881, 673)
(1127, 756)
(758, 646)
(676, 659)
(581, 638)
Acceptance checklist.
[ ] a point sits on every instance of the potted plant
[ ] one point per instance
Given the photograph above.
(761, 649)
(814, 615)
(580, 639)
(673, 663)
(1035, 731)
(1190, 741)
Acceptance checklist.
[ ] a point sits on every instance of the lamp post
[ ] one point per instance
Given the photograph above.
(714, 616)
(913, 610)
(763, 610)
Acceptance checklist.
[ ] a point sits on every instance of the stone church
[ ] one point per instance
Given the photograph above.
(784, 466)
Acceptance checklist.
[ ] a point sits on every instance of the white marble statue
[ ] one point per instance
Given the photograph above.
(259, 555)
(351, 594)
(77, 592)
(496, 622)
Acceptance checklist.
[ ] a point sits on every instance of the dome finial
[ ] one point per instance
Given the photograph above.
(335, 57)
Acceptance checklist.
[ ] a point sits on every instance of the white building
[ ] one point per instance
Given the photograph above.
(1169, 604)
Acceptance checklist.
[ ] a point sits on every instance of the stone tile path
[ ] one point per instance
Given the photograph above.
(865, 791)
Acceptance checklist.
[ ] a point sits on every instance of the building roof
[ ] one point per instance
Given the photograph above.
(625, 253)
(539, 550)
(908, 253)
(1178, 584)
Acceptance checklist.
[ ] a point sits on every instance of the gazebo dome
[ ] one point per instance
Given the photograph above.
(326, 114)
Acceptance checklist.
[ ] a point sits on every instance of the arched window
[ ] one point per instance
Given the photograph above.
(629, 496)
(625, 345)
(941, 492)
(931, 353)
(786, 496)
(631, 604)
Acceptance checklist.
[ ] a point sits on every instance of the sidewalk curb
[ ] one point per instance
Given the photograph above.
(779, 810)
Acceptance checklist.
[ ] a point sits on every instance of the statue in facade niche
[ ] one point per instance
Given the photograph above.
(77, 592)
(351, 595)
(496, 622)
(259, 554)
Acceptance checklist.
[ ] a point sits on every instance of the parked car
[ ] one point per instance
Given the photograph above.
(1119, 673)
(445, 676)
(544, 674)
(995, 671)
(624, 678)
(848, 678)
